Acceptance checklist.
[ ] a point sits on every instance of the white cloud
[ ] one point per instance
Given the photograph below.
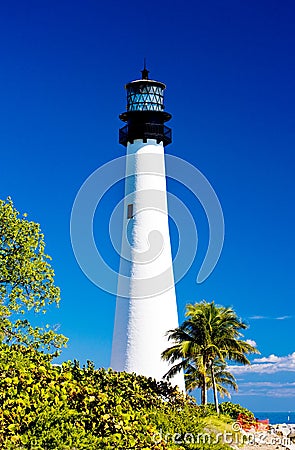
(258, 317)
(270, 364)
(267, 389)
(274, 384)
(251, 342)
(269, 359)
(269, 318)
(267, 365)
(273, 393)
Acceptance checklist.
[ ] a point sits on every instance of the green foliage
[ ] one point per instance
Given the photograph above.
(226, 408)
(46, 406)
(234, 409)
(207, 410)
(189, 427)
(26, 281)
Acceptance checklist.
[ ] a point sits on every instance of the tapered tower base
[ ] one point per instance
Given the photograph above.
(146, 304)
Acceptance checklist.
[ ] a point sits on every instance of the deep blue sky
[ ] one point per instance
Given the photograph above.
(229, 69)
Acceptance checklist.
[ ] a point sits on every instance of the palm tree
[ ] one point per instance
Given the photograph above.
(209, 333)
(187, 351)
(223, 378)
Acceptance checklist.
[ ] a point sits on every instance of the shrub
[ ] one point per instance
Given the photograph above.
(50, 407)
(234, 409)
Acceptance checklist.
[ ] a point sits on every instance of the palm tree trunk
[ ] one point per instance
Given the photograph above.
(215, 393)
(204, 389)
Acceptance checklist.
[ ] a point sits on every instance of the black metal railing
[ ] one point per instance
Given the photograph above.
(156, 131)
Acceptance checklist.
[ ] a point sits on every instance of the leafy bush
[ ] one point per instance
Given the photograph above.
(50, 407)
(226, 408)
(234, 409)
(207, 410)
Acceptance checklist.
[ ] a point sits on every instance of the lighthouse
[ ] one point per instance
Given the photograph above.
(146, 305)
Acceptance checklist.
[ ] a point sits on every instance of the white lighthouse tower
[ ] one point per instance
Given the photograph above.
(146, 303)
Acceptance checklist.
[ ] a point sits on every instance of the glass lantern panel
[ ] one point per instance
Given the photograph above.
(147, 97)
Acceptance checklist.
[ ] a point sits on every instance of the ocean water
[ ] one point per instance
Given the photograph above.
(277, 417)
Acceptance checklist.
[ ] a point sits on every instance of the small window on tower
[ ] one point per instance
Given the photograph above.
(130, 212)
